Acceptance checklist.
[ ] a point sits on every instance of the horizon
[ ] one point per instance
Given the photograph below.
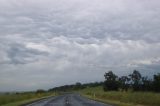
(48, 43)
(46, 89)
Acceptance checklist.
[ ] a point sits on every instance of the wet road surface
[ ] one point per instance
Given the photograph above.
(67, 100)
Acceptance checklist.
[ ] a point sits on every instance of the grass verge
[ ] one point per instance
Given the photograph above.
(22, 98)
(122, 98)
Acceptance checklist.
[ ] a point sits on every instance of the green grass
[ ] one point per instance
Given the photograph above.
(123, 98)
(21, 98)
(21, 102)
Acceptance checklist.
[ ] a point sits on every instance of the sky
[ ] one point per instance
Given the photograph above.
(48, 43)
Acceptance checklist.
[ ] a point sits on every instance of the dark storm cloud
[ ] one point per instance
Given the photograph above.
(49, 38)
(19, 54)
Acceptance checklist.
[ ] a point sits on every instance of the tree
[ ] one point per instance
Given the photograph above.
(124, 82)
(136, 79)
(156, 82)
(147, 84)
(111, 81)
(39, 91)
(78, 85)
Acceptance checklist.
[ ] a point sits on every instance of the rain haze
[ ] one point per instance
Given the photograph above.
(48, 43)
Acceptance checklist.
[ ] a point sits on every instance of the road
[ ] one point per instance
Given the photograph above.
(67, 100)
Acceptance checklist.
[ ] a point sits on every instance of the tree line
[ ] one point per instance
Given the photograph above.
(134, 81)
(76, 86)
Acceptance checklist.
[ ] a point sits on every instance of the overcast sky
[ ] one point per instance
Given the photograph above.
(47, 43)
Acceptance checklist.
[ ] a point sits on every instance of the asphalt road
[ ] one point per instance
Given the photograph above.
(67, 100)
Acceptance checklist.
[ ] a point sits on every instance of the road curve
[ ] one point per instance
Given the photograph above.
(67, 100)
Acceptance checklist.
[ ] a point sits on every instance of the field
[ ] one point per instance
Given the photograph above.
(13, 99)
(123, 98)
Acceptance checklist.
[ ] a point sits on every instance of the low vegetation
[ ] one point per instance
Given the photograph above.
(124, 98)
(16, 98)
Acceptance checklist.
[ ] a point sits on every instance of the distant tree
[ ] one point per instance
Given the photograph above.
(40, 91)
(156, 82)
(124, 82)
(111, 81)
(78, 85)
(136, 79)
(147, 84)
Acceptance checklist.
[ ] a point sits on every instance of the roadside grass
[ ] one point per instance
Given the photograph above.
(122, 98)
(21, 98)
(19, 103)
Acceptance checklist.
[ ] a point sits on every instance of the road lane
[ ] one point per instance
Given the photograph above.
(67, 100)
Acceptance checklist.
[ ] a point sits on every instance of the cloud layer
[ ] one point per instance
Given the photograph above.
(47, 43)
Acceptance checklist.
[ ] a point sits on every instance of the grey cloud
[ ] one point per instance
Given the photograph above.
(129, 20)
(47, 39)
(19, 54)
